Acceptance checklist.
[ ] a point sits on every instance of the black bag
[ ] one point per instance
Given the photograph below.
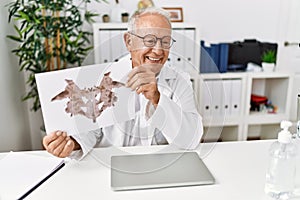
(250, 50)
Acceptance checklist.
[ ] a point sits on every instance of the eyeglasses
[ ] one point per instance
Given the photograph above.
(151, 40)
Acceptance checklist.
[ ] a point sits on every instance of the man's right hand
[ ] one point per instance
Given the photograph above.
(59, 144)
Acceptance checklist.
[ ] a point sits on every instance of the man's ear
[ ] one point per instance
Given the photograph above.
(128, 41)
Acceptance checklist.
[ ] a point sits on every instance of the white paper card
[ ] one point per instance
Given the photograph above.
(71, 99)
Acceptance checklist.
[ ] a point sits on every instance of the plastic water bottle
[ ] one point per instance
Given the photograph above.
(280, 177)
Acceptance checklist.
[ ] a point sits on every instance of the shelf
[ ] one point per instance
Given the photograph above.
(265, 118)
(245, 124)
(225, 121)
(215, 93)
(275, 88)
(268, 75)
(263, 131)
(223, 75)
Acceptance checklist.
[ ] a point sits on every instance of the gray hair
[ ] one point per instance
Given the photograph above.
(149, 10)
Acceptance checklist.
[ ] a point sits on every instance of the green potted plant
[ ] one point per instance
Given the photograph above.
(50, 35)
(268, 60)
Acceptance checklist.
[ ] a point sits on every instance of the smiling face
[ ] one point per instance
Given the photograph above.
(153, 24)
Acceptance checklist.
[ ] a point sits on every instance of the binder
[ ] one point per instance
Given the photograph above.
(214, 58)
(174, 50)
(217, 94)
(209, 58)
(104, 46)
(226, 98)
(214, 54)
(211, 98)
(223, 57)
(179, 49)
(236, 94)
(115, 45)
(171, 58)
(204, 58)
(189, 49)
(206, 98)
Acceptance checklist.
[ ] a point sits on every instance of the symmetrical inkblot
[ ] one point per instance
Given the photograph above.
(89, 102)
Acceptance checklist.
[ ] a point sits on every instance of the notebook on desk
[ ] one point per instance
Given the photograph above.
(129, 172)
(21, 173)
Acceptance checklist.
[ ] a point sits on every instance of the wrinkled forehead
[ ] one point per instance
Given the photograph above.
(159, 32)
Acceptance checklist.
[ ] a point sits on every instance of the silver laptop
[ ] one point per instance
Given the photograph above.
(129, 172)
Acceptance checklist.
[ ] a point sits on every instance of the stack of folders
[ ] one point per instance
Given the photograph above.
(214, 58)
(21, 173)
(221, 97)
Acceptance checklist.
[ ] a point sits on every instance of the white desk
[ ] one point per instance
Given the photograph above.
(239, 169)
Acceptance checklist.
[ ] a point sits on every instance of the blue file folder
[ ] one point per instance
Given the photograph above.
(214, 59)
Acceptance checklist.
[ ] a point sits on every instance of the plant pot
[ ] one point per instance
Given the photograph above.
(124, 19)
(105, 18)
(268, 67)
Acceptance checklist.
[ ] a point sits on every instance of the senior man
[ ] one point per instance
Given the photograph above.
(165, 107)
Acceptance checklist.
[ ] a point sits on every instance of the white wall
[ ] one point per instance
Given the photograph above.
(14, 127)
(219, 20)
(289, 59)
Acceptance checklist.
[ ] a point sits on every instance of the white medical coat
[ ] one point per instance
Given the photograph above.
(175, 119)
